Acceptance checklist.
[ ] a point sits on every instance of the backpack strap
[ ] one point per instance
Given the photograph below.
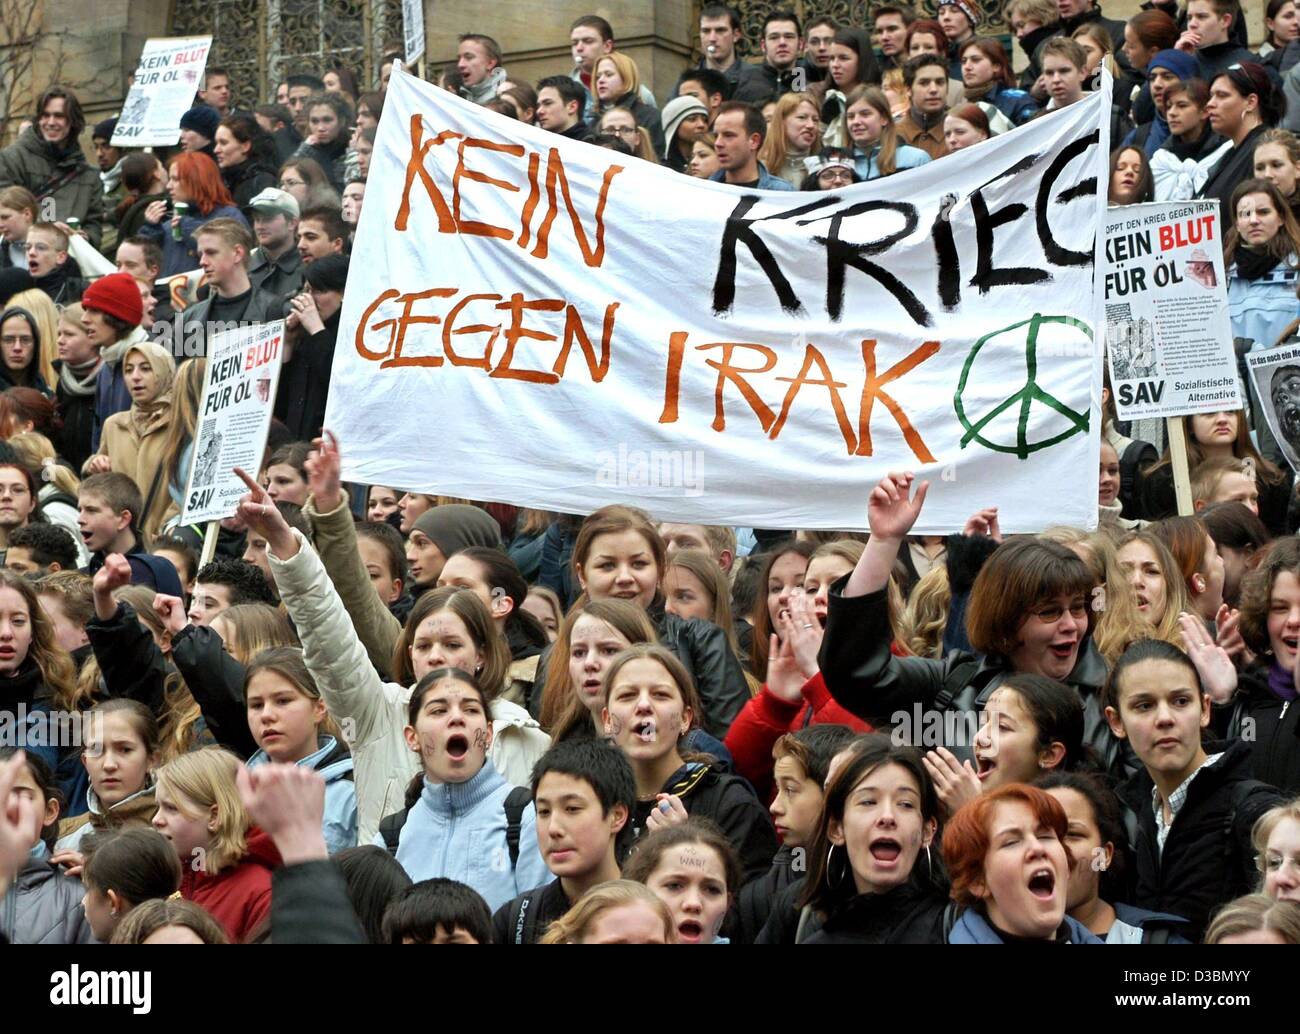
(390, 829)
(950, 913)
(525, 925)
(517, 801)
(805, 924)
(954, 683)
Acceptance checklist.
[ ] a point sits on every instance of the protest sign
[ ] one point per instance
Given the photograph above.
(169, 74)
(413, 29)
(532, 319)
(1168, 334)
(1276, 376)
(238, 394)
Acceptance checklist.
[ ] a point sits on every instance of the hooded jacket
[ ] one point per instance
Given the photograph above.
(136, 810)
(972, 927)
(728, 802)
(348, 682)
(59, 173)
(239, 896)
(43, 906)
(133, 441)
(1208, 857)
(458, 831)
(332, 760)
(30, 376)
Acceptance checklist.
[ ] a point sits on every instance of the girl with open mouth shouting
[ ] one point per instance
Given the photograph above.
(650, 706)
(694, 871)
(872, 879)
(1010, 868)
(455, 824)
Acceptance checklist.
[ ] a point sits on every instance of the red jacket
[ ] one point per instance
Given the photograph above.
(766, 718)
(238, 897)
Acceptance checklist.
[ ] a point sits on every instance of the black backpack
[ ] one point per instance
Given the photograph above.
(516, 802)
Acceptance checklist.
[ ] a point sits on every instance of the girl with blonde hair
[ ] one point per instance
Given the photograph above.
(226, 861)
(617, 912)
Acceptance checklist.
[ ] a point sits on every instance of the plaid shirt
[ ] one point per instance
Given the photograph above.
(1176, 801)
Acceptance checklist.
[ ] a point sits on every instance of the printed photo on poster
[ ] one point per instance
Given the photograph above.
(1275, 374)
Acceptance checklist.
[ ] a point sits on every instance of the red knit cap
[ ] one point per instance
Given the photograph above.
(118, 295)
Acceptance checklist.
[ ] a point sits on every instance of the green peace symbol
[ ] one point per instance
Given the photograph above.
(1026, 396)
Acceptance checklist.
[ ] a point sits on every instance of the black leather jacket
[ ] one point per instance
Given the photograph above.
(865, 677)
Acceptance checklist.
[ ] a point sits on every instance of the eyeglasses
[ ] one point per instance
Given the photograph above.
(834, 176)
(1276, 863)
(11, 339)
(292, 183)
(39, 249)
(1051, 613)
(621, 131)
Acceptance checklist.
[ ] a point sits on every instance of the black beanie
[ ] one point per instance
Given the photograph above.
(329, 273)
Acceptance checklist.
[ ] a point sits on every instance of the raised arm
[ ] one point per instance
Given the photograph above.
(215, 679)
(891, 515)
(335, 537)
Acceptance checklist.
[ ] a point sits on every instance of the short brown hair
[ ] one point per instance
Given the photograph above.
(1019, 575)
(1066, 48)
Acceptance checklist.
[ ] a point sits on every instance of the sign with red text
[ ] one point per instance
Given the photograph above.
(239, 388)
(1168, 333)
(170, 72)
(539, 321)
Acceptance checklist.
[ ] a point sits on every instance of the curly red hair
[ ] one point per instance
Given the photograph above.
(966, 836)
(202, 180)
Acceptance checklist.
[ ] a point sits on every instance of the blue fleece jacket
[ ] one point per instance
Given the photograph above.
(972, 928)
(335, 764)
(458, 831)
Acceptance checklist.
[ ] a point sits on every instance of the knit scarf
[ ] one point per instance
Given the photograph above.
(979, 93)
(1281, 683)
(1253, 264)
(79, 381)
(487, 89)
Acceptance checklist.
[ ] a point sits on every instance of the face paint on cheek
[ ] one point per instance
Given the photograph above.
(480, 740)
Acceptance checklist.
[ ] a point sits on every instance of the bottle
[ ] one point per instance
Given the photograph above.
(178, 232)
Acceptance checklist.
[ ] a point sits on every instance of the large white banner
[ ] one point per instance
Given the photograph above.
(239, 388)
(535, 320)
(169, 74)
(1168, 333)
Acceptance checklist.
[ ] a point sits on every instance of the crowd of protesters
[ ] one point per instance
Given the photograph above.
(378, 715)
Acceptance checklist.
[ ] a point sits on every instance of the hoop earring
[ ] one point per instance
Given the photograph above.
(831, 881)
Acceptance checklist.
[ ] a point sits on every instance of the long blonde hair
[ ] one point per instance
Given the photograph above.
(203, 778)
(187, 396)
(925, 617)
(34, 449)
(775, 147)
(1119, 622)
(1176, 598)
(573, 926)
(46, 314)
